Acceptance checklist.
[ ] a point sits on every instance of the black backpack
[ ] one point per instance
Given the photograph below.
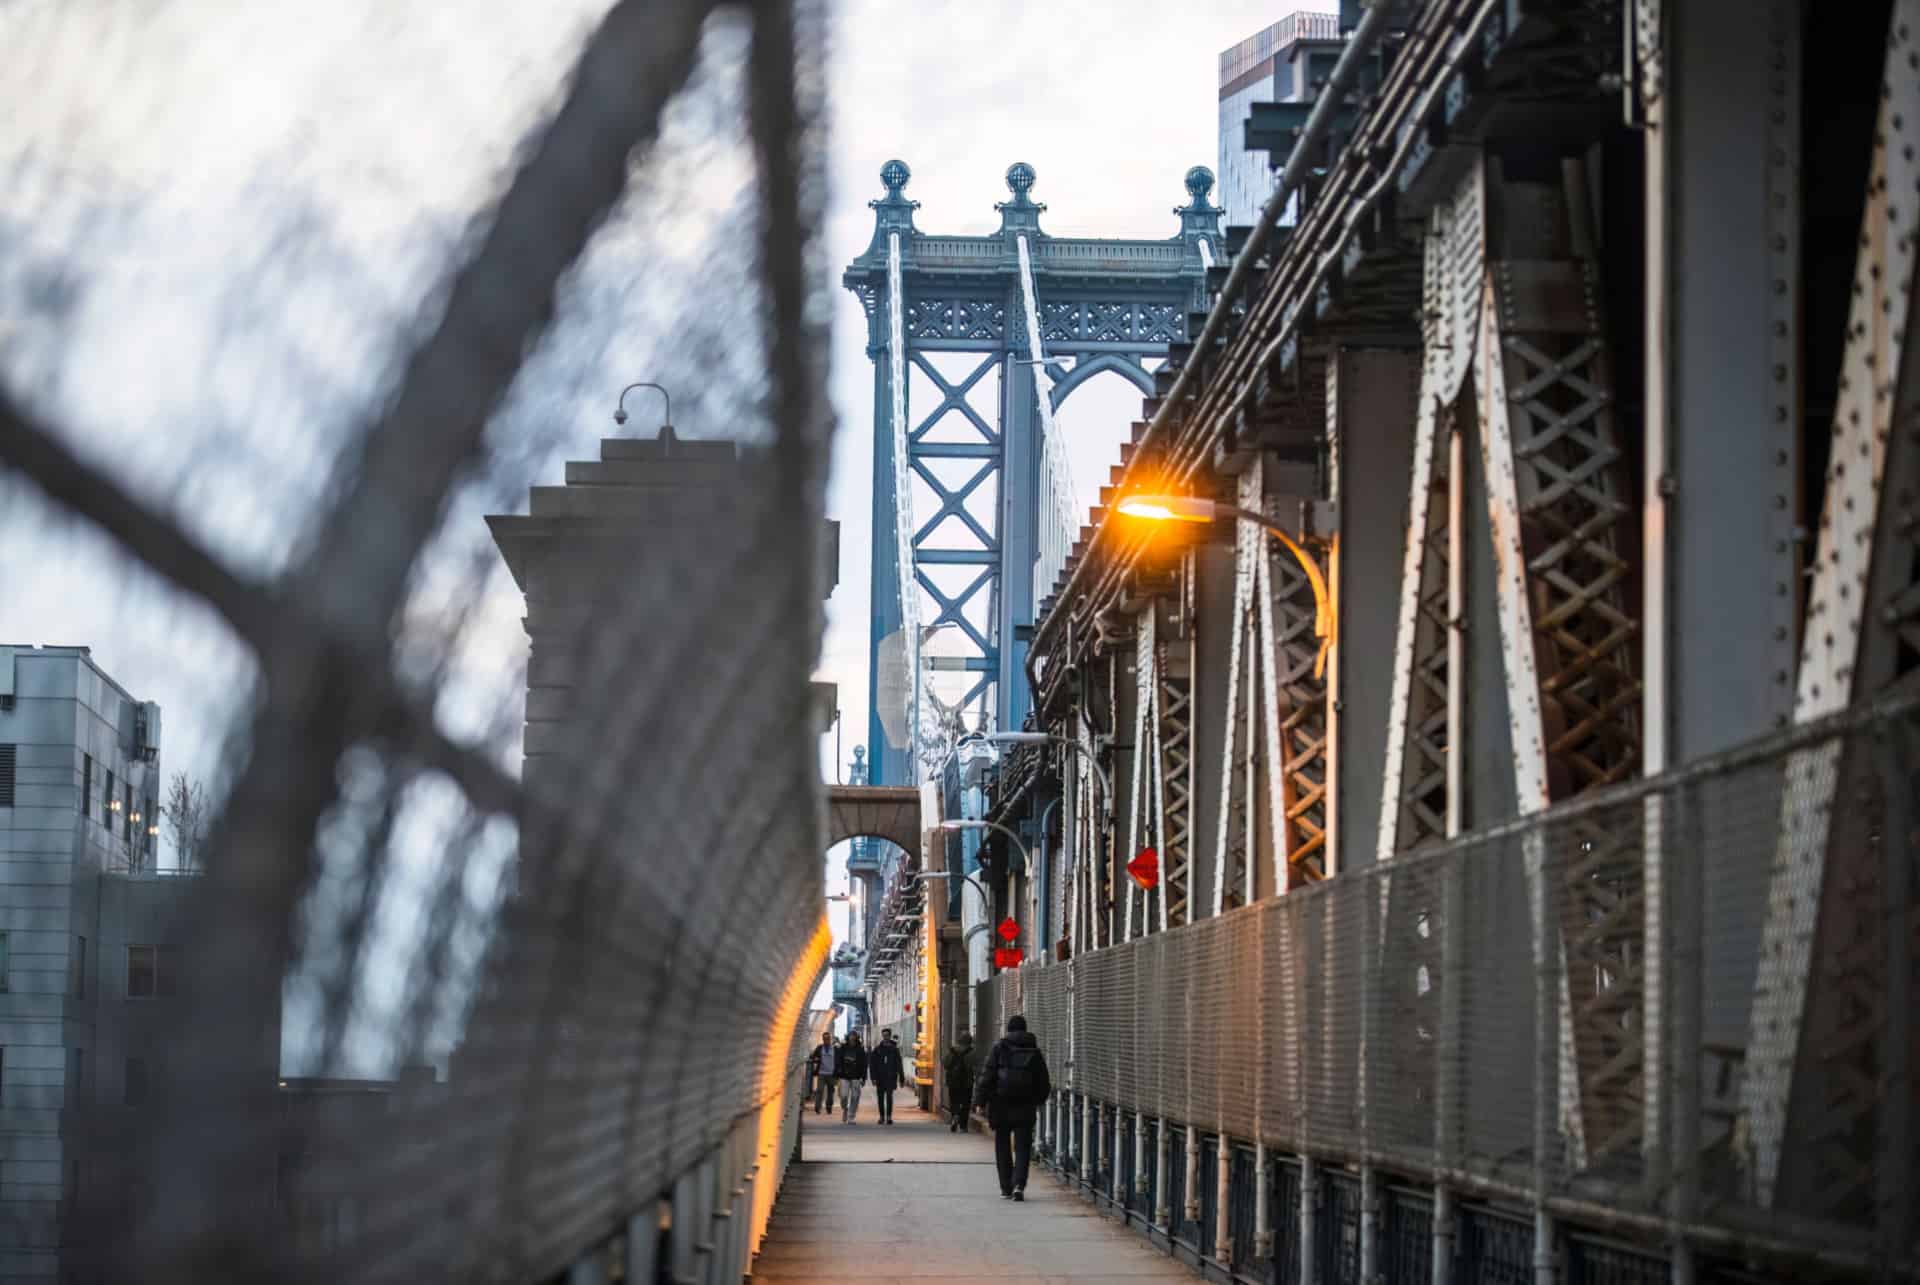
(1019, 1075)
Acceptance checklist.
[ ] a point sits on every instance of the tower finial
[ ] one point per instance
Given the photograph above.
(1020, 178)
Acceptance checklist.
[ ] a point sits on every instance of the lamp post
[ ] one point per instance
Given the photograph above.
(620, 407)
(1047, 738)
(1192, 508)
(986, 902)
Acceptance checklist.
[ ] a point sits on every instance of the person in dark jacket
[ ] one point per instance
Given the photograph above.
(851, 1067)
(959, 1071)
(886, 1071)
(1012, 1085)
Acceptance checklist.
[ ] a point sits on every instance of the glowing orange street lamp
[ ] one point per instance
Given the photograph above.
(1191, 508)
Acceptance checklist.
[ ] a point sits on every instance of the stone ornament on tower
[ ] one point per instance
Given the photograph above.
(1021, 214)
(1199, 183)
(1199, 217)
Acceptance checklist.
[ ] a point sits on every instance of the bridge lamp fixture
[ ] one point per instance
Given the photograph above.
(1065, 742)
(620, 407)
(1192, 508)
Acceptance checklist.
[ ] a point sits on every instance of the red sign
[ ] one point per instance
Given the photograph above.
(1008, 929)
(1144, 869)
(1007, 956)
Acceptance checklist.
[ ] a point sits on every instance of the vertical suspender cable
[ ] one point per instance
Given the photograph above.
(903, 491)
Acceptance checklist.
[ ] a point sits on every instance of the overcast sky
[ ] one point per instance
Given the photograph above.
(1111, 101)
(185, 183)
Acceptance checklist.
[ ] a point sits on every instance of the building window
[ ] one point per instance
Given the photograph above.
(86, 785)
(126, 813)
(106, 803)
(6, 776)
(6, 964)
(152, 971)
(136, 1093)
(80, 967)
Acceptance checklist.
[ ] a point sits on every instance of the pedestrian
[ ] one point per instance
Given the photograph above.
(886, 1070)
(851, 1066)
(959, 1072)
(1012, 1086)
(821, 1063)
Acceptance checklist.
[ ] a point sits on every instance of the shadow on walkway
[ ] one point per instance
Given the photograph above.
(872, 1204)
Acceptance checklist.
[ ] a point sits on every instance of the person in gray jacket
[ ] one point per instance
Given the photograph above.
(821, 1063)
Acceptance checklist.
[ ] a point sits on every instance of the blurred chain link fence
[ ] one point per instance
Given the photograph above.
(584, 983)
(1428, 1017)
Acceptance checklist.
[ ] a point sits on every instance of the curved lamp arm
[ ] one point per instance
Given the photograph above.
(1046, 738)
(1190, 508)
(620, 407)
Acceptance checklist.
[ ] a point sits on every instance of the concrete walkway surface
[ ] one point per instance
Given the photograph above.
(871, 1204)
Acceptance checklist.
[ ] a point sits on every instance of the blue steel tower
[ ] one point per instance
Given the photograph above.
(1001, 329)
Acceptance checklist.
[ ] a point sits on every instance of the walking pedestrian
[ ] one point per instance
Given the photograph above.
(886, 1070)
(959, 1072)
(851, 1066)
(821, 1062)
(1012, 1086)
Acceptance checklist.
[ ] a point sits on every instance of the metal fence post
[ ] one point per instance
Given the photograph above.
(1193, 1174)
(1140, 1184)
(1309, 1212)
(1369, 1224)
(1162, 1165)
(643, 1244)
(1222, 1225)
(1262, 1214)
(1443, 1234)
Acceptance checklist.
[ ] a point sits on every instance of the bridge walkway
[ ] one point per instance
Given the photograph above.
(913, 1202)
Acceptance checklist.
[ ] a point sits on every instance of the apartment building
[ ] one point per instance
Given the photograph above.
(89, 955)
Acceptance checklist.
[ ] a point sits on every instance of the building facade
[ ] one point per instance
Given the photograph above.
(88, 965)
(1285, 63)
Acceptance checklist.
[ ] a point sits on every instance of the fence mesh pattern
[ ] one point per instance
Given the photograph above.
(1558, 1007)
(372, 446)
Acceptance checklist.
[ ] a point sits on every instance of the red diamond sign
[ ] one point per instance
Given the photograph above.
(1144, 869)
(1008, 929)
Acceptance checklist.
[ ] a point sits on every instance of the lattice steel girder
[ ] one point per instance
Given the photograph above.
(1828, 1067)
(1564, 525)
(1274, 780)
(1173, 670)
(1106, 303)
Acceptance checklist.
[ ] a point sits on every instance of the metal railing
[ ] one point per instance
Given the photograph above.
(1436, 1020)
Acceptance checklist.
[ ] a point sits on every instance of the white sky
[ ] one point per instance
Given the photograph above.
(209, 312)
(1111, 101)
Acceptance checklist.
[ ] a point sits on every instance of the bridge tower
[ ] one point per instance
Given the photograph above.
(1001, 329)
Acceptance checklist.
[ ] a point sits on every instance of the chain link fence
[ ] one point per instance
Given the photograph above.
(1558, 1012)
(374, 334)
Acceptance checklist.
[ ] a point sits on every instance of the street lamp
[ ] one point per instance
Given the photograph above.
(620, 407)
(1046, 738)
(1026, 860)
(1192, 508)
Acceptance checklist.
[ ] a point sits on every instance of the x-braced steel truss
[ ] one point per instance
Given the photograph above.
(1564, 526)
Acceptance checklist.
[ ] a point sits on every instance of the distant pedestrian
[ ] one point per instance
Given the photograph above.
(851, 1066)
(1012, 1086)
(959, 1073)
(886, 1070)
(821, 1063)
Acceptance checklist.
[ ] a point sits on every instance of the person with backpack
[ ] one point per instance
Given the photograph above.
(820, 1062)
(959, 1071)
(1012, 1086)
(851, 1067)
(886, 1070)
